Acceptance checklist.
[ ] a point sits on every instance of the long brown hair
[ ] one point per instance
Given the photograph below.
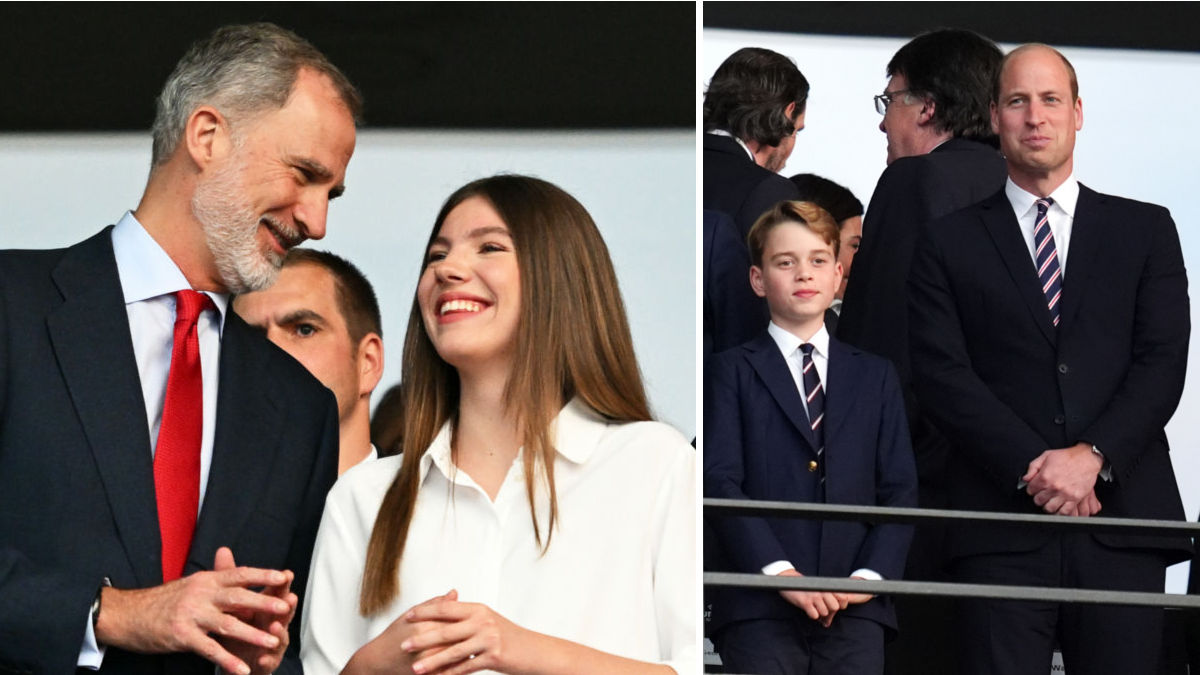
(573, 340)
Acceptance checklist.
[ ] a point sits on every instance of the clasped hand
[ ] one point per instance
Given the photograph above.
(1063, 480)
(453, 637)
(821, 605)
(214, 614)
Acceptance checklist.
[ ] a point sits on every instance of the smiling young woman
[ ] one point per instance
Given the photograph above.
(538, 521)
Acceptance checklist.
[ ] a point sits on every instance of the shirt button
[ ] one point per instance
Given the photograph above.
(1058, 419)
(812, 466)
(1062, 368)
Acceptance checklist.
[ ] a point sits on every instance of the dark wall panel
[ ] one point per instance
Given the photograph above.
(98, 66)
(1135, 25)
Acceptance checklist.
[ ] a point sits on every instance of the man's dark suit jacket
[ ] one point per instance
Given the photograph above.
(1004, 385)
(732, 312)
(758, 445)
(911, 192)
(738, 187)
(76, 479)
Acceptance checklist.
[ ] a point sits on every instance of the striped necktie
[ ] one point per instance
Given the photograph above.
(1047, 259)
(814, 395)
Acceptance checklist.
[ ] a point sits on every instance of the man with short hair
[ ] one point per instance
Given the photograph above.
(941, 155)
(1050, 332)
(753, 108)
(148, 436)
(323, 311)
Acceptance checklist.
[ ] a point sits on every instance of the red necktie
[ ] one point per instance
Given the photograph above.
(177, 455)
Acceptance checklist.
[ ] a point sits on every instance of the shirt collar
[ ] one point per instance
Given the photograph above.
(789, 343)
(575, 432)
(145, 269)
(722, 132)
(1065, 196)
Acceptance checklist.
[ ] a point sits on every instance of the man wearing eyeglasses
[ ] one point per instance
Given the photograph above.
(941, 155)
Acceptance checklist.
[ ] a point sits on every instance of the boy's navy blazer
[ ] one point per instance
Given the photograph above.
(758, 445)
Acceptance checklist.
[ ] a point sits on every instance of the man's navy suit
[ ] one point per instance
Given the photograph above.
(738, 187)
(758, 445)
(911, 192)
(76, 480)
(1005, 385)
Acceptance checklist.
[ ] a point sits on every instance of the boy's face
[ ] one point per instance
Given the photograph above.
(798, 277)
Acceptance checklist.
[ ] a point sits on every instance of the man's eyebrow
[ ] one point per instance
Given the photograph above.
(320, 174)
(301, 315)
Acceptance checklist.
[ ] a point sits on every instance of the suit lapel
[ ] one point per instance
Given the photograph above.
(1005, 232)
(91, 340)
(1085, 244)
(773, 370)
(244, 446)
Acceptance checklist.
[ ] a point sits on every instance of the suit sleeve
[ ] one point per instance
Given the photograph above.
(885, 549)
(323, 474)
(748, 542)
(948, 389)
(43, 613)
(733, 314)
(1153, 383)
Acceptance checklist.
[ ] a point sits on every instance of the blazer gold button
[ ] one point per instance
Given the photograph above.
(812, 466)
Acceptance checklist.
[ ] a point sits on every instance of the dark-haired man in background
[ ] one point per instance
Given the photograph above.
(941, 155)
(753, 108)
(148, 435)
(323, 311)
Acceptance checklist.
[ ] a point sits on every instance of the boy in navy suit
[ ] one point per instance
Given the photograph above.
(795, 415)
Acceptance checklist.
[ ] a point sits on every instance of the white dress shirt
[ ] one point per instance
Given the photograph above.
(789, 346)
(148, 279)
(1060, 217)
(619, 575)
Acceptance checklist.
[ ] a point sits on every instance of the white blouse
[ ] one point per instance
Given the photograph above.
(619, 575)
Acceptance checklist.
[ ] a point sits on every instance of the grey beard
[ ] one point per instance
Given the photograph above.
(230, 230)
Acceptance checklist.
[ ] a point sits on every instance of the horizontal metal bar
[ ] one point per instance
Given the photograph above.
(937, 588)
(893, 514)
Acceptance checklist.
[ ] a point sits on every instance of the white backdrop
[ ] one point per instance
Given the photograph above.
(639, 186)
(1136, 142)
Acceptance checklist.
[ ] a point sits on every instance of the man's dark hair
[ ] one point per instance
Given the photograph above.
(839, 201)
(749, 93)
(957, 69)
(355, 297)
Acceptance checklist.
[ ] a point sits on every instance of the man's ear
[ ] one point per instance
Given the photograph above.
(756, 281)
(369, 363)
(207, 136)
(928, 109)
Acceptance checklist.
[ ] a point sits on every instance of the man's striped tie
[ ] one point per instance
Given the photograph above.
(1047, 259)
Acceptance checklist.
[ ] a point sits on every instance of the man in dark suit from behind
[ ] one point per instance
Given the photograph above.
(941, 155)
(147, 434)
(753, 108)
(1050, 332)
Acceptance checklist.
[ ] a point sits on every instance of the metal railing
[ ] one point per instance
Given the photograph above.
(885, 514)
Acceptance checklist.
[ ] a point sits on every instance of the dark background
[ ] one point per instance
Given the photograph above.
(1168, 26)
(99, 66)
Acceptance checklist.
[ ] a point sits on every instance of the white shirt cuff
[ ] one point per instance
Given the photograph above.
(866, 574)
(91, 654)
(778, 566)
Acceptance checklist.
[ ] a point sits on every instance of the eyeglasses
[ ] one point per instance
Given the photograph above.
(882, 101)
